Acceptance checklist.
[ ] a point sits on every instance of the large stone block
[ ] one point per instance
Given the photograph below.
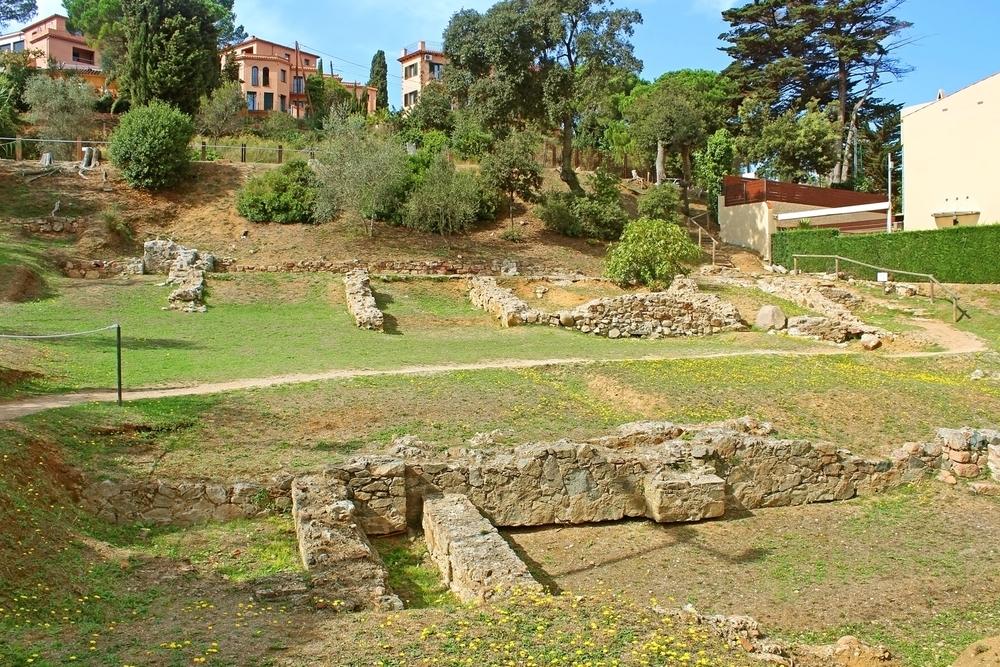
(675, 497)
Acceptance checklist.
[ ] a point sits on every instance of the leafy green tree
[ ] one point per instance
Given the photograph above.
(223, 113)
(797, 147)
(541, 61)
(712, 164)
(511, 168)
(378, 78)
(651, 252)
(8, 114)
(878, 138)
(60, 108)
(151, 146)
(230, 68)
(229, 32)
(831, 51)
(362, 174)
(679, 111)
(15, 71)
(470, 139)
(171, 51)
(16, 11)
(432, 111)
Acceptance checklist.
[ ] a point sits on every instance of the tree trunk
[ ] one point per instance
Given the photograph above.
(686, 180)
(661, 160)
(510, 209)
(841, 169)
(568, 174)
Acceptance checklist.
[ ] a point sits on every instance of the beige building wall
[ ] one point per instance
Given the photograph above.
(421, 64)
(951, 159)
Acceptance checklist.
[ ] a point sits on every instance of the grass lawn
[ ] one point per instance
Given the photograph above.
(262, 325)
(867, 404)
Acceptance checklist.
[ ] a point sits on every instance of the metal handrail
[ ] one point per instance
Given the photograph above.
(702, 231)
(931, 280)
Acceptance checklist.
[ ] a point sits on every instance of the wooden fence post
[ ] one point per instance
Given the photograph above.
(204, 151)
(281, 150)
(837, 266)
(795, 264)
(932, 290)
(18, 149)
(79, 148)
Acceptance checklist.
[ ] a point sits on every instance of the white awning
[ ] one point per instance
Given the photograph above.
(826, 212)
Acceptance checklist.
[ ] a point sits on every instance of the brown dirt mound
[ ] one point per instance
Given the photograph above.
(985, 653)
(19, 283)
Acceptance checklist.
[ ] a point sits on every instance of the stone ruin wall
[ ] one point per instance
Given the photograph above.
(658, 470)
(361, 301)
(680, 311)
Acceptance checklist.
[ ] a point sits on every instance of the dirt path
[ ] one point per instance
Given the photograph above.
(949, 338)
(28, 406)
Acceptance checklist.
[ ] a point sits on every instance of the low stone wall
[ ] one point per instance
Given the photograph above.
(476, 563)
(66, 226)
(361, 301)
(680, 311)
(185, 268)
(457, 267)
(837, 324)
(182, 502)
(347, 573)
(501, 303)
(91, 269)
(970, 453)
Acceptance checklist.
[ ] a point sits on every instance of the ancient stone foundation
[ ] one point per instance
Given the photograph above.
(475, 561)
(185, 268)
(836, 322)
(361, 301)
(680, 311)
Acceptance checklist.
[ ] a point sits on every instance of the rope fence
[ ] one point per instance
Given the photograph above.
(75, 334)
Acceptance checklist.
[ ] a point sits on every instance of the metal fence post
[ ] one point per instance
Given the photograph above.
(118, 332)
(204, 151)
(243, 152)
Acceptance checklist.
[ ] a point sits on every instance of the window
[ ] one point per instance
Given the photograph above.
(249, 51)
(18, 46)
(255, 76)
(284, 76)
(251, 101)
(4, 48)
(83, 56)
(411, 71)
(410, 99)
(298, 85)
(268, 101)
(283, 101)
(437, 71)
(307, 62)
(267, 77)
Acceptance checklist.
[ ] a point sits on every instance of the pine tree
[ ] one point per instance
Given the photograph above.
(379, 79)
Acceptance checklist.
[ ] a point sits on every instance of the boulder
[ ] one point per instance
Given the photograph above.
(771, 317)
(871, 342)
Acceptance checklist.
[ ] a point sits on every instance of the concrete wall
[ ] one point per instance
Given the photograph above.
(950, 150)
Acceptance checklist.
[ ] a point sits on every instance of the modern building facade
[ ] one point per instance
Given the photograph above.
(950, 168)
(274, 77)
(422, 63)
(54, 47)
(749, 210)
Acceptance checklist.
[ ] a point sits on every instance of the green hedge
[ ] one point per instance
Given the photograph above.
(954, 255)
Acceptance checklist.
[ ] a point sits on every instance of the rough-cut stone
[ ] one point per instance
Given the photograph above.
(836, 322)
(674, 496)
(475, 561)
(185, 268)
(771, 318)
(361, 301)
(347, 573)
(870, 342)
(500, 302)
(968, 453)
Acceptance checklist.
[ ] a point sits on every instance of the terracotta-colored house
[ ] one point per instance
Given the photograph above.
(422, 64)
(274, 77)
(56, 45)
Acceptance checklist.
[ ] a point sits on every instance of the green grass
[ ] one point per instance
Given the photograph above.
(412, 576)
(26, 200)
(270, 325)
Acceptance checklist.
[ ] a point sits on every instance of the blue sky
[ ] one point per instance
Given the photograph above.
(956, 38)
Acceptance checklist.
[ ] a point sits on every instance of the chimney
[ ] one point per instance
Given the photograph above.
(422, 46)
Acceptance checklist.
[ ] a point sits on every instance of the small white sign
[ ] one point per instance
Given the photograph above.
(883, 277)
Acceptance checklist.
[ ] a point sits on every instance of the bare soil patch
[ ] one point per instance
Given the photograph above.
(560, 295)
(615, 392)
(20, 283)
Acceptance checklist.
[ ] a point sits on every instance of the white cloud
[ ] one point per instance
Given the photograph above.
(714, 6)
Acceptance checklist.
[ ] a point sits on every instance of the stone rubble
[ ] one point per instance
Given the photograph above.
(680, 311)
(771, 318)
(361, 301)
(836, 322)
(475, 561)
(968, 453)
(185, 268)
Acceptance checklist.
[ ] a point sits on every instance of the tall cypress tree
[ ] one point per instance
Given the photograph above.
(379, 79)
(171, 52)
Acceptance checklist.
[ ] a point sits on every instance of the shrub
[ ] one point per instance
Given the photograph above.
(512, 235)
(558, 213)
(445, 202)
(651, 252)
(662, 202)
(953, 255)
(286, 195)
(469, 139)
(150, 146)
(280, 127)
